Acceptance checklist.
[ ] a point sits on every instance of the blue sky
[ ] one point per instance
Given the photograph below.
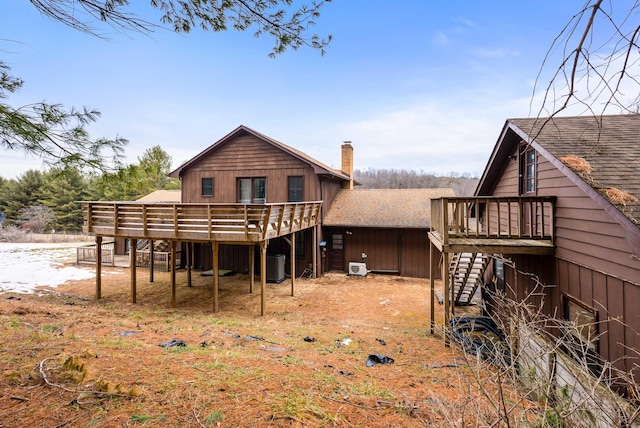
(414, 84)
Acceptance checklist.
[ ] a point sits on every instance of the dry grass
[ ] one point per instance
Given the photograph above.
(582, 167)
(577, 164)
(619, 197)
(68, 360)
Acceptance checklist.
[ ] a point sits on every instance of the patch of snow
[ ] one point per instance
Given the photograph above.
(24, 266)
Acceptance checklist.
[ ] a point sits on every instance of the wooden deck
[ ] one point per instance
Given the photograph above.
(507, 225)
(223, 223)
(492, 245)
(216, 223)
(487, 225)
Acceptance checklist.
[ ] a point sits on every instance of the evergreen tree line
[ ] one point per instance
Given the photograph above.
(44, 201)
(462, 184)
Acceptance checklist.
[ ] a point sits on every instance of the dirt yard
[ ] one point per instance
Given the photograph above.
(69, 360)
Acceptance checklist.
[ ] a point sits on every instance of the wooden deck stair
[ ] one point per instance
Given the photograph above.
(160, 245)
(161, 249)
(466, 271)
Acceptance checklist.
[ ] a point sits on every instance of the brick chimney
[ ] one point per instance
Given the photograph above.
(347, 163)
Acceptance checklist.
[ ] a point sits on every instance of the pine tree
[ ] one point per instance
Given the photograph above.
(16, 195)
(62, 192)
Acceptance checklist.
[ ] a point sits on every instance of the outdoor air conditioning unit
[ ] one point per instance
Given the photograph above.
(358, 269)
(275, 268)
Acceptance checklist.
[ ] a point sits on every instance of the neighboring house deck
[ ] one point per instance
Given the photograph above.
(486, 225)
(493, 225)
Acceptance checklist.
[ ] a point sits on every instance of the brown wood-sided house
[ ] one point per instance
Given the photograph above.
(250, 168)
(572, 183)
(388, 226)
(249, 201)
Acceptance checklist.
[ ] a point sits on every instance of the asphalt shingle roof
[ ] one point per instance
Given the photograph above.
(384, 208)
(167, 196)
(610, 144)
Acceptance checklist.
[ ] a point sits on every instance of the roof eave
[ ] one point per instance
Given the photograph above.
(318, 168)
(500, 155)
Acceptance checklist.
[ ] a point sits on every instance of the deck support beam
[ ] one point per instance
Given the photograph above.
(189, 261)
(314, 251)
(292, 257)
(263, 274)
(252, 267)
(172, 264)
(98, 267)
(151, 260)
(432, 272)
(132, 265)
(215, 250)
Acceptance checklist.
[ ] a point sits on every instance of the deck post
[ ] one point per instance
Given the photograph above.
(432, 271)
(173, 273)
(447, 297)
(132, 265)
(189, 256)
(263, 274)
(252, 267)
(215, 247)
(445, 221)
(98, 267)
(292, 257)
(314, 251)
(151, 262)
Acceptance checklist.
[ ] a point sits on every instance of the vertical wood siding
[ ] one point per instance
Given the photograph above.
(246, 156)
(593, 263)
(616, 301)
(584, 232)
(280, 246)
(414, 253)
(401, 251)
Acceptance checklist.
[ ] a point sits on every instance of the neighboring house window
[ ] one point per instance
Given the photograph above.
(295, 188)
(498, 273)
(207, 186)
(252, 190)
(582, 334)
(528, 170)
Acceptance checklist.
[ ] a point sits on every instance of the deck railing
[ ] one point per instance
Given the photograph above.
(88, 254)
(199, 222)
(493, 217)
(161, 259)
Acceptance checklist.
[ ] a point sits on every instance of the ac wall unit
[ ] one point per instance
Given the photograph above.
(358, 269)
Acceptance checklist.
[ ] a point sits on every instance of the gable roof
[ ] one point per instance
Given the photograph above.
(608, 143)
(319, 167)
(168, 196)
(384, 208)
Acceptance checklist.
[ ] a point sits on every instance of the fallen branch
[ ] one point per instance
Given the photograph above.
(195, 414)
(18, 398)
(360, 406)
(75, 391)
